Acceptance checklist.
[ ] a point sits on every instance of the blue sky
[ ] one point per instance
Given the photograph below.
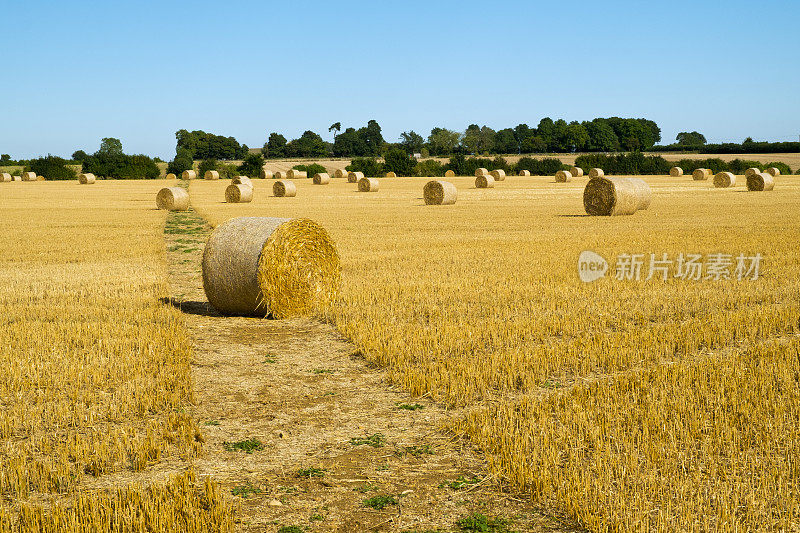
(74, 72)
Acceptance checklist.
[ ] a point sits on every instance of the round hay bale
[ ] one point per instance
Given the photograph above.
(450, 174)
(576, 172)
(284, 188)
(498, 175)
(211, 175)
(294, 174)
(368, 185)
(615, 196)
(173, 199)
(752, 171)
(238, 193)
(440, 192)
(188, 175)
(700, 174)
(524, 172)
(596, 173)
(266, 174)
(40, 178)
(484, 182)
(390, 174)
(279, 267)
(340, 173)
(280, 175)
(724, 180)
(242, 180)
(773, 171)
(322, 178)
(353, 177)
(761, 182)
(171, 176)
(5, 177)
(29, 176)
(16, 178)
(86, 179)
(563, 176)
(676, 172)
(481, 172)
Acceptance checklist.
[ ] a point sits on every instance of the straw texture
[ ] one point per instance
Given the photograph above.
(596, 173)
(5, 177)
(615, 196)
(189, 175)
(700, 174)
(773, 171)
(761, 182)
(211, 175)
(242, 180)
(266, 174)
(171, 176)
(280, 175)
(29, 176)
(353, 177)
(481, 172)
(293, 174)
(524, 172)
(173, 199)
(440, 192)
(498, 175)
(390, 174)
(368, 185)
(576, 172)
(284, 188)
(340, 173)
(484, 182)
(724, 180)
(563, 176)
(676, 172)
(752, 171)
(322, 178)
(238, 193)
(450, 174)
(86, 179)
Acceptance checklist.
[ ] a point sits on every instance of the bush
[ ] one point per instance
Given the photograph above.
(398, 161)
(183, 161)
(52, 168)
(311, 169)
(625, 164)
(540, 167)
(467, 167)
(429, 168)
(122, 166)
(368, 165)
(205, 166)
(251, 165)
(227, 170)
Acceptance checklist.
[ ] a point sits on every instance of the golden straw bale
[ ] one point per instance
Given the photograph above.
(724, 179)
(29, 176)
(280, 175)
(484, 182)
(596, 173)
(284, 188)
(368, 185)
(773, 171)
(86, 179)
(676, 172)
(340, 173)
(171, 176)
(242, 180)
(563, 176)
(390, 174)
(211, 175)
(700, 174)
(576, 172)
(266, 174)
(322, 178)
(238, 193)
(761, 182)
(440, 192)
(40, 178)
(173, 199)
(498, 175)
(353, 177)
(524, 172)
(481, 172)
(5, 177)
(450, 174)
(752, 171)
(189, 175)
(606, 196)
(294, 174)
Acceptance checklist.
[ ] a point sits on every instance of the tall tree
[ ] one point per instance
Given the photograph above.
(336, 127)
(692, 138)
(412, 141)
(111, 146)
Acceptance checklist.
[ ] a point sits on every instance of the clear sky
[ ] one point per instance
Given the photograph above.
(76, 71)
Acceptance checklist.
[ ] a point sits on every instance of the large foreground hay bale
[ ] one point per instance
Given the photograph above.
(724, 180)
(242, 180)
(86, 179)
(284, 188)
(189, 175)
(173, 199)
(563, 176)
(773, 171)
(353, 177)
(171, 176)
(676, 172)
(266, 174)
(5, 177)
(277, 267)
(237, 193)
(450, 174)
(752, 171)
(294, 174)
(484, 182)
(440, 192)
(340, 173)
(761, 182)
(390, 174)
(596, 173)
(524, 172)
(368, 185)
(615, 196)
(481, 172)
(700, 174)
(322, 178)
(576, 172)
(211, 175)
(29, 176)
(498, 175)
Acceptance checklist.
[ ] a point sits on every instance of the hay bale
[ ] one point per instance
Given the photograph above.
(724, 180)
(450, 174)
(368, 185)
(481, 172)
(188, 175)
(390, 174)
(294, 174)
(440, 192)
(29, 176)
(16, 178)
(700, 174)
(596, 173)
(752, 171)
(280, 175)
(211, 175)
(5, 177)
(40, 178)
(86, 179)
(524, 172)
(238, 193)
(173, 199)
(242, 180)
(340, 173)
(773, 171)
(615, 196)
(676, 172)
(322, 178)
(353, 177)
(266, 174)
(563, 176)
(498, 175)
(279, 267)
(284, 188)
(576, 172)
(171, 176)
(761, 182)
(484, 182)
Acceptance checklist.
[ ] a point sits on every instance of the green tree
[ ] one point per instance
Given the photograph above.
(412, 142)
(110, 145)
(443, 141)
(576, 138)
(5, 159)
(692, 138)
(398, 161)
(251, 165)
(505, 142)
(336, 127)
(471, 138)
(275, 146)
(206, 165)
(52, 168)
(183, 161)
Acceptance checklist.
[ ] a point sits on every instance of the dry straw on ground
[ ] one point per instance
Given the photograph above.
(173, 199)
(259, 266)
(294, 174)
(242, 180)
(524, 172)
(86, 179)
(266, 174)
(752, 171)
(211, 175)
(761, 182)
(450, 174)
(189, 175)
(615, 196)
(322, 178)
(596, 173)
(368, 185)
(576, 172)
(340, 173)
(773, 171)
(481, 172)
(5, 177)
(700, 174)
(284, 188)
(724, 180)
(676, 172)
(440, 192)
(171, 176)
(29, 176)
(238, 193)
(498, 175)
(391, 174)
(484, 182)
(353, 177)
(563, 176)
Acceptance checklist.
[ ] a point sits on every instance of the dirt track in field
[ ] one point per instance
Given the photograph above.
(315, 408)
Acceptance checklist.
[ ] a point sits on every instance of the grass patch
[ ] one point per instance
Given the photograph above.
(211, 423)
(376, 440)
(379, 502)
(418, 451)
(410, 406)
(322, 371)
(244, 491)
(308, 473)
(291, 529)
(248, 445)
(363, 489)
(478, 522)
(271, 359)
(460, 482)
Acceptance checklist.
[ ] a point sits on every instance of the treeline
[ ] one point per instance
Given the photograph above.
(747, 147)
(110, 161)
(638, 163)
